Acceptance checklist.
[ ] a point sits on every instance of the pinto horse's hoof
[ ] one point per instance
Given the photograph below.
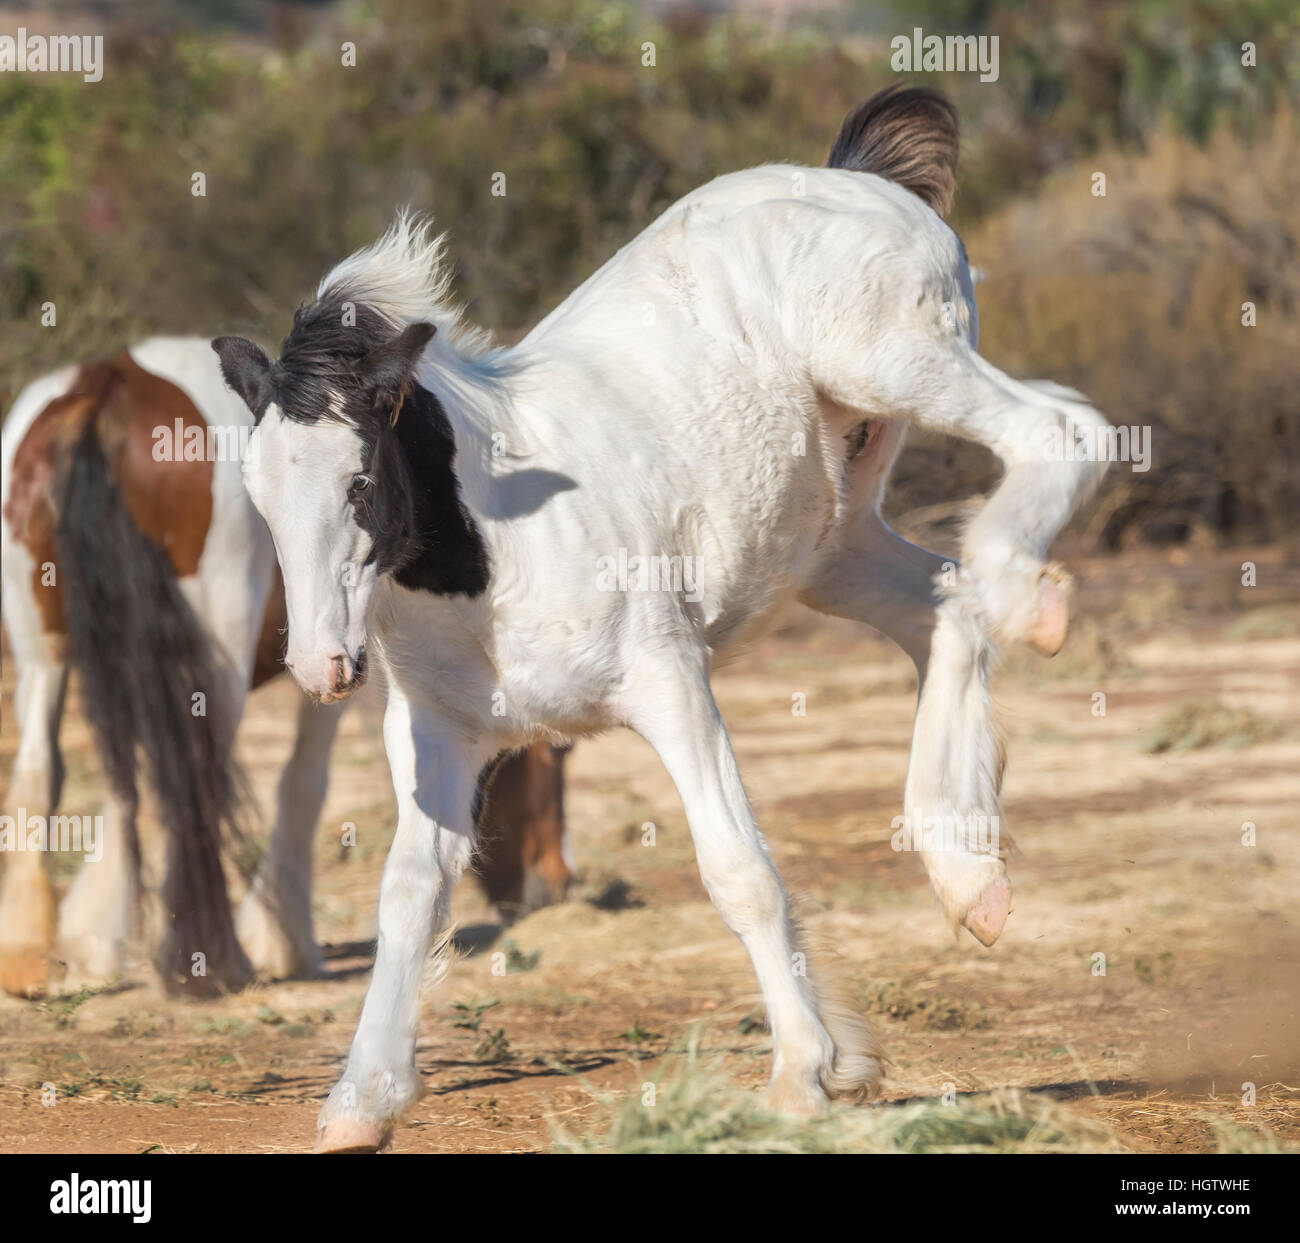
(25, 971)
(986, 919)
(1052, 620)
(352, 1135)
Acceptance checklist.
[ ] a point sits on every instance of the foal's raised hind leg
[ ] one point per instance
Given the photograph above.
(939, 382)
(954, 775)
(1002, 590)
(820, 1048)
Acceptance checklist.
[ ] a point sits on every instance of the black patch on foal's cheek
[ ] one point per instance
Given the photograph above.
(423, 535)
(449, 556)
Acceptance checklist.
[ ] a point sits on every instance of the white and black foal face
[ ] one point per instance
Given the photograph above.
(302, 480)
(351, 465)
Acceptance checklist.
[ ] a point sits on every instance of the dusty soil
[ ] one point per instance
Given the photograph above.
(1134, 855)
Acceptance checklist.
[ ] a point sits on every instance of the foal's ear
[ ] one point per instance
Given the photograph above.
(247, 370)
(388, 368)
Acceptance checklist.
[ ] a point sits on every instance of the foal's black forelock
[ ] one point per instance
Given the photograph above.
(410, 501)
(319, 374)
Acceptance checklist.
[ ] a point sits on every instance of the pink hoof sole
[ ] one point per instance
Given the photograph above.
(988, 916)
(1047, 634)
(350, 1135)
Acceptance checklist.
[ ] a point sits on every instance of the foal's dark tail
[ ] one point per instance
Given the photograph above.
(908, 135)
(142, 660)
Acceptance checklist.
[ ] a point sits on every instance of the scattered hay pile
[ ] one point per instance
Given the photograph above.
(698, 1109)
(1209, 723)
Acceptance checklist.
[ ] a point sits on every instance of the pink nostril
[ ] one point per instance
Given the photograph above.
(341, 674)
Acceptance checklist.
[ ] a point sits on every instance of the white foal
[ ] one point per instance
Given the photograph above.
(566, 535)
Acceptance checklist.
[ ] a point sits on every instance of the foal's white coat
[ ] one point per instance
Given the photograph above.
(691, 399)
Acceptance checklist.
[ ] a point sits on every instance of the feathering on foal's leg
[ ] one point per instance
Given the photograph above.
(820, 1047)
(435, 779)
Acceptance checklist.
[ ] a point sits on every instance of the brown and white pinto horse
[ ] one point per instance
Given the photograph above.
(132, 555)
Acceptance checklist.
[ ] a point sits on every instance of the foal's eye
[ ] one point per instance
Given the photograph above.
(358, 485)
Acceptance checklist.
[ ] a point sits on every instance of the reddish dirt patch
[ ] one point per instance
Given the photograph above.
(1125, 854)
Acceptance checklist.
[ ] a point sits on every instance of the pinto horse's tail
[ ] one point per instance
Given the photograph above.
(907, 135)
(142, 659)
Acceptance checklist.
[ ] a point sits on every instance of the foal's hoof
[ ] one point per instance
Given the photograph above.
(352, 1135)
(1052, 620)
(797, 1099)
(988, 916)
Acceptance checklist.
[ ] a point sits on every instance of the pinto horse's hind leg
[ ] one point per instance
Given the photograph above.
(955, 772)
(275, 923)
(96, 915)
(821, 1048)
(27, 905)
(522, 859)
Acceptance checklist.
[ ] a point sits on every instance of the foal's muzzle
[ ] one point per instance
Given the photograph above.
(341, 675)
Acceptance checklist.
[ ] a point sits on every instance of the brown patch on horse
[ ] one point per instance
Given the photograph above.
(521, 832)
(171, 502)
(29, 509)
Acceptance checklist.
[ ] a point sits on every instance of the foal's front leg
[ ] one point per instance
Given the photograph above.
(434, 777)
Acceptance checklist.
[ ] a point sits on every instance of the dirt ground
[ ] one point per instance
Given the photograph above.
(1123, 851)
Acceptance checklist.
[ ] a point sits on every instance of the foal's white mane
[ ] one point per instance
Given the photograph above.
(404, 276)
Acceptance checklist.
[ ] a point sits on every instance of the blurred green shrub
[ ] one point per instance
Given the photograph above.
(305, 159)
(1137, 299)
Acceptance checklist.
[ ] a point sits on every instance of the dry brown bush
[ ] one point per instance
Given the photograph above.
(1137, 299)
